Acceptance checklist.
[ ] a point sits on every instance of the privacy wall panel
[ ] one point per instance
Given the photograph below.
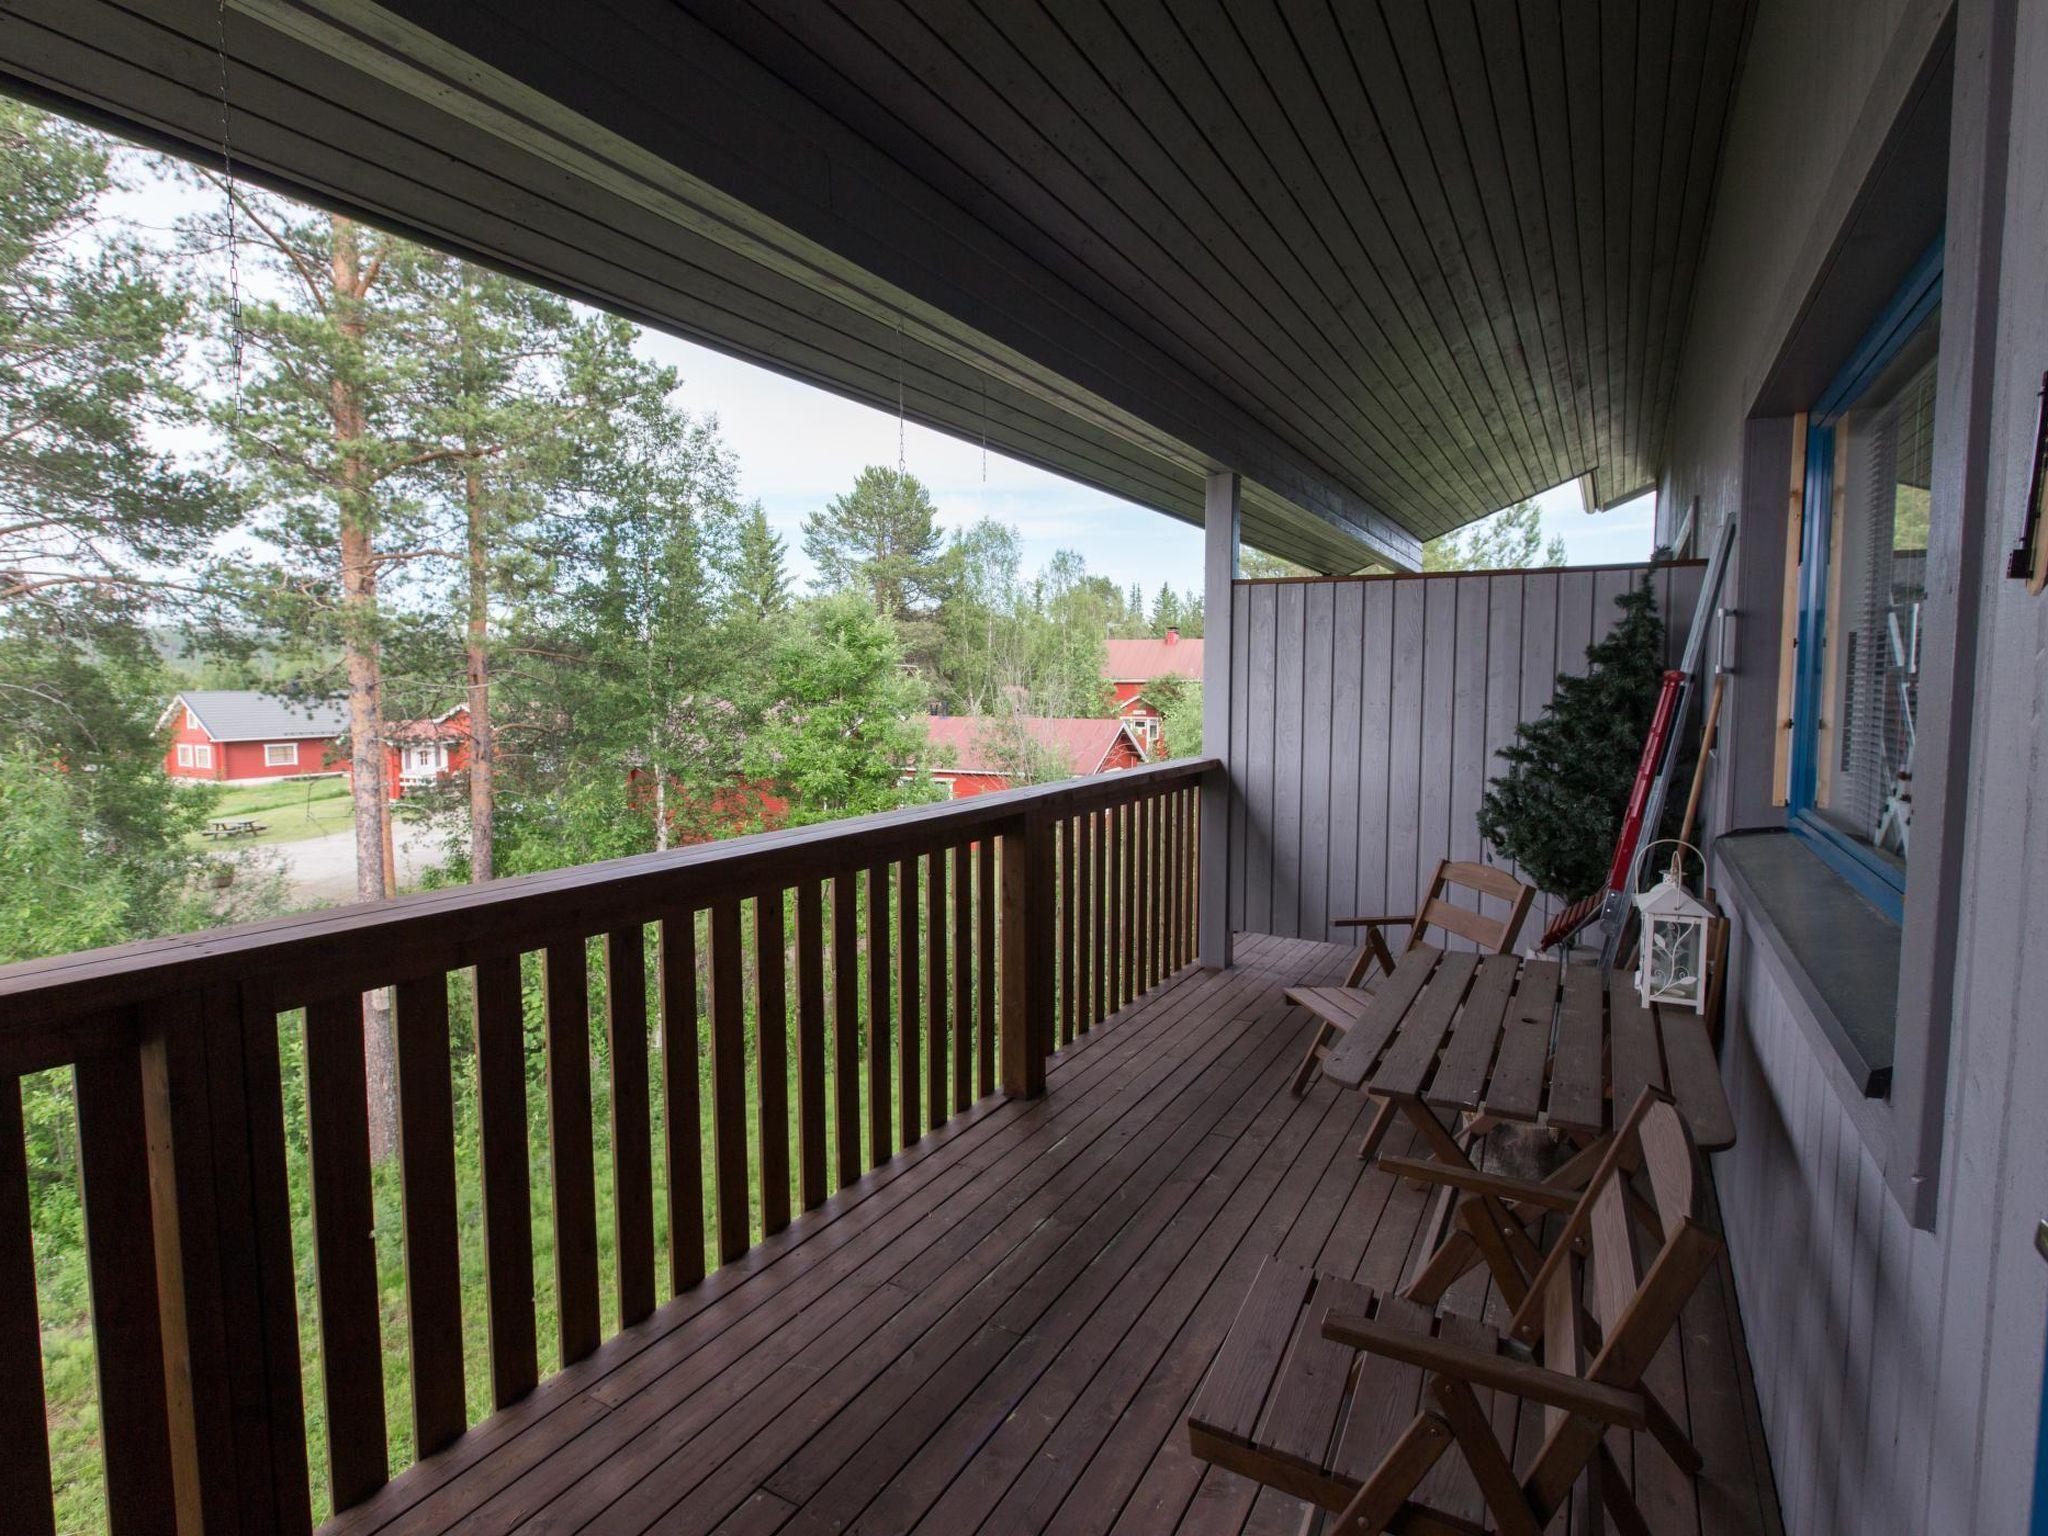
(1369, 713)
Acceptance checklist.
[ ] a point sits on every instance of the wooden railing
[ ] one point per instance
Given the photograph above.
(1019, 921)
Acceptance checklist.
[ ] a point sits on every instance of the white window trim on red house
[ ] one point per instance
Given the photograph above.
(195, 754)
(280, 754)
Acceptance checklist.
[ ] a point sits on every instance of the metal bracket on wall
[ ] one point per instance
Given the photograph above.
(2029, 563)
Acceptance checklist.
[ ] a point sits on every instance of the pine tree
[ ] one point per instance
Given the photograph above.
(1507, 541)
(99, 531)
(881, 539)
(760, 581)
(1557, 808)
(1166, 609)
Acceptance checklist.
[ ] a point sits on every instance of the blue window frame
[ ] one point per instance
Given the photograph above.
(1880, 880)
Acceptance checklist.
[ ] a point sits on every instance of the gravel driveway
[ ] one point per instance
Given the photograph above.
(323, 869)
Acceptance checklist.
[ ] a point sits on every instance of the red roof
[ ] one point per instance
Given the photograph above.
(1139, 661)
(1082, 744)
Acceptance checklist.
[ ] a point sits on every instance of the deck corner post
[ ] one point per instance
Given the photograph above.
(1222, 518)
(1027, 941)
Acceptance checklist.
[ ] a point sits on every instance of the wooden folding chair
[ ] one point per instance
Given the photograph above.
(1493, 935)
(1349, 1400)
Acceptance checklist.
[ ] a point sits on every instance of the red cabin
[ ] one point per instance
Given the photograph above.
(240, 736)
(1133, 665)
(971, 746)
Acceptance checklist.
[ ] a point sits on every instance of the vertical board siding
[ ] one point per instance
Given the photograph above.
(1840, 1299)
(1369, 715)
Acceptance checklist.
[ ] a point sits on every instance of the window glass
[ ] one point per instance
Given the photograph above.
(1875, 596)
(278, 754)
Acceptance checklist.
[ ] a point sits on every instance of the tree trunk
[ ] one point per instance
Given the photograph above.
(364, 665)
(482, 747)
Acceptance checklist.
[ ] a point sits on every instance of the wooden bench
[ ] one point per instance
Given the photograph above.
(1334, 1394)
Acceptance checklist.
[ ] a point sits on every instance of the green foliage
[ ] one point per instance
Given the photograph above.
(760, 581)
(1179, 702)
(90, 329)
(1507, 541)
(881, 539)
(1557, 807)
(1257, 565)
(841, 727)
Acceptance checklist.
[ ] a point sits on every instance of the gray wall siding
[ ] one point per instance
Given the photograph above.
(1899, 1370)
(1373, 712)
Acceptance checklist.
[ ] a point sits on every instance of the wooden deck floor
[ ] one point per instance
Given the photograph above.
(1001, 1330)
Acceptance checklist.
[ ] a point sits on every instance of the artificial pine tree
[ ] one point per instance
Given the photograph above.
(1557, 808)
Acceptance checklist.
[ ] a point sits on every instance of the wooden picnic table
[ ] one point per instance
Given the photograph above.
(235, 826)
(1487, 1038)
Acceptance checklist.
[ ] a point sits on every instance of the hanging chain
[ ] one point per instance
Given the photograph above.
(899, 397)
(227, 160)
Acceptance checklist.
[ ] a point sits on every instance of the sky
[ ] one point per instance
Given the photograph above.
(799, 446)
(762, 414)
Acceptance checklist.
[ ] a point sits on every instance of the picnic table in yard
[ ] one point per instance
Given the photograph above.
(1502, 1038)
(235, 826)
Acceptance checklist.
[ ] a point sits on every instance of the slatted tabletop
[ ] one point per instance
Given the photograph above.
(1521, 1039)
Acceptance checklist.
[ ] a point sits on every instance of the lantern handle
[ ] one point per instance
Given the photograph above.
(1680, 847)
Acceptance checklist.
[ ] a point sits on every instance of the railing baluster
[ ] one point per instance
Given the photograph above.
(500, 1012)
(810, 1045)
(908, 1110)
(1083, 898)
(128, 1343)
(728, 1079)
(345, 1255)
(1148, 891)
(963, 978)
(1098, 919)
(25, 1468)
(1134, 901)
(567, 989)
(1112, 909)
(1027, 940)
(1069, 995)
(681, 1110)
(881, 1128)
(1156, 889)
(771, 1057)
(625, 961)
(433, 1266)
(846, 1023)
(1169, 892)
(937, 1030)
(985, 965)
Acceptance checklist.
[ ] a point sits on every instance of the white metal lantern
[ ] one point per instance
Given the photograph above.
(1674, 948)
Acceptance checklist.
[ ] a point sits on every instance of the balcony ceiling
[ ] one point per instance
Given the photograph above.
(1400, 264)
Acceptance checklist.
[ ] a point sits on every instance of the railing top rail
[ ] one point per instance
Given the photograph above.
(372, 944)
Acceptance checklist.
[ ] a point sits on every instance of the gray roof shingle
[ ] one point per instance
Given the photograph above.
(235, 714)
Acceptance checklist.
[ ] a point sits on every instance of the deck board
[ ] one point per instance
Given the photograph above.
(1001, 1328)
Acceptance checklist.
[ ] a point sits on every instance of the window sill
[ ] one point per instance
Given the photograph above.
(1840, 953)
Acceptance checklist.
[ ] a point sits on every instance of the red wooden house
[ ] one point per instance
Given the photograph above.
(968, 749)
(244, 736)
(240, 736)
(1132, 666)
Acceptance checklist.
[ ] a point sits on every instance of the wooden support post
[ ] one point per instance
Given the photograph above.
(213, 1122)
(1027, 965)
(1221, 516)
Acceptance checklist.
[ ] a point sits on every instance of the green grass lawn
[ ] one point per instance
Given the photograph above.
(290, 809)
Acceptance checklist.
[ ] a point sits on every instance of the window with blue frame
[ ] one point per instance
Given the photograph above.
(1862, 591)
